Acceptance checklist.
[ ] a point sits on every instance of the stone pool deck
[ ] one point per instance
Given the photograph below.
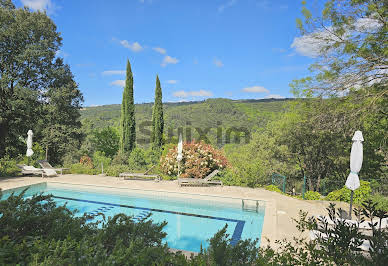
(279, 209)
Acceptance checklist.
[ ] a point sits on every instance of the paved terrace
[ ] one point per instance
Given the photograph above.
(279, 211)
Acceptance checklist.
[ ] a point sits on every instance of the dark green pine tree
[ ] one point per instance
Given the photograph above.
(128, 123)
(157, 118)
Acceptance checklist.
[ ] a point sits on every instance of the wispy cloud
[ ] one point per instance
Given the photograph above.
(255, 89)
(159, 50)
(113, 72)
(274, 96)
(172, 81)
(134, 47)
(169, 60)
(40, 5)
(218, 62)
(226, 5)
(185, 94)
(61, 53)
(119, 82)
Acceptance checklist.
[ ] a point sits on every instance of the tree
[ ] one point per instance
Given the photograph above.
(348, 40)
(106, 140)
(37, 90)
(128, 123)
(29, 41)
(157, 118)
(60, 123)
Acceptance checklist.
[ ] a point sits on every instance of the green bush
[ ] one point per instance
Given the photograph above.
(8, 167)
(381, 201)
(78, 168)
(115, 170)
(273, 188)
(360, 195)
(100, 159)
(312, 195)
(137, 159)
(120, 158)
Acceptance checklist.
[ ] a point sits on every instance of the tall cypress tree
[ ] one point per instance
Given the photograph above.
(128, 123)
(157, 118)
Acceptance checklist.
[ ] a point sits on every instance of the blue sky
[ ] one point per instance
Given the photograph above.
(238, 49)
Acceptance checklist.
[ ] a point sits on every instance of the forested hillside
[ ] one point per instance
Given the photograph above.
(211, 113)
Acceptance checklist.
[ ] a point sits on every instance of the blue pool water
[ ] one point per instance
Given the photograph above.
(191, 223)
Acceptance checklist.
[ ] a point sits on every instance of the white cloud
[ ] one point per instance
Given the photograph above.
(311, 45)
(119, 82)
(159, 50)
(113, 72)
(40, 5)
(228, 4)
(274, 96)
(61, 53)
(255, 89)
(218, 62)
(169, 60)
(134, 47)
(185, 94)
(172, 81)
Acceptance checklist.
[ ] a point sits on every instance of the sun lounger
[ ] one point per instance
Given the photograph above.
(200, 182)
(31, 170)
(46, 165)
(140, 176)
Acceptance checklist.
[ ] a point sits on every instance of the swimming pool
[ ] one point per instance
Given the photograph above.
(192, 220)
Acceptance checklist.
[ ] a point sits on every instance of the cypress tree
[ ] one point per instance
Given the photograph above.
(128, 123)
(157, 118)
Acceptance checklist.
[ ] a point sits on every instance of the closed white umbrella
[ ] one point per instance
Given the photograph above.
(29, 152)
(356, 156)
(179, 157)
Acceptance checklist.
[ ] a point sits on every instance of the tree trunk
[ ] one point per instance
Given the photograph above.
(3, 135)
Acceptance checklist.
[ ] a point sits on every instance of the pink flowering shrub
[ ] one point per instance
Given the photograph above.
(199, 160)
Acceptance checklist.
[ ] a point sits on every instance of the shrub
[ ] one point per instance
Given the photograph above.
(137, 160)
(312, 195)
(86, 161)
(360, 195)
(120, 158)
(273, 188)
(78, 168)
(8, 167)
(115, 170)
(99, 159)
(199, 160)
(381, 202)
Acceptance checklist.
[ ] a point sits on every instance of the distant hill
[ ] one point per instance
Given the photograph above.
(206, 115)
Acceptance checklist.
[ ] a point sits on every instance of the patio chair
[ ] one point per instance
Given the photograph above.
(31, 170)
(200, 182)
(46, 165)
(140, 176)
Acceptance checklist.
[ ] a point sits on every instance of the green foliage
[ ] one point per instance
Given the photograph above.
(79, 168)
(38, 91)
(128, 124)
(100, 160)
(312, 195)
(8, 167)
(380, 201)
(273, 188)
(36, 231)
(360, 195)
(157, 118)
(120, 158)
(136, 160)
(106, 140)
(116, 169)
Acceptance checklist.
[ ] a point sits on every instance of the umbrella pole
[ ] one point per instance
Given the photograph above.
(351, 201)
